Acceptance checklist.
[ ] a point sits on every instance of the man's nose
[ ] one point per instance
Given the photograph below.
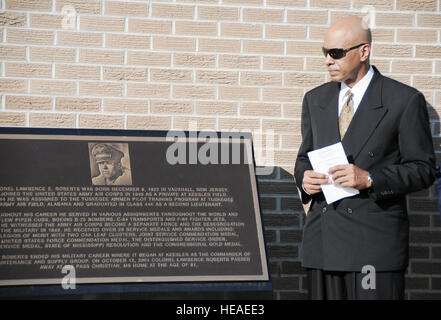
(328, 60)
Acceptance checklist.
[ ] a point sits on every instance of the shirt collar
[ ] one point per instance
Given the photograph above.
(360, 87)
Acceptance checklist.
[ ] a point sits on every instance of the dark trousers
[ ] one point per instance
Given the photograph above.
(337, 285)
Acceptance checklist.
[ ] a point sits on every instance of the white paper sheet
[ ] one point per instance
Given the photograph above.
(325, 158)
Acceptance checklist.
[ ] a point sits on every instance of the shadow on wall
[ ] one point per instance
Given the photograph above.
(284, 217)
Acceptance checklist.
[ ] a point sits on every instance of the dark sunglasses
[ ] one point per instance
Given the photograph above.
(338, 53)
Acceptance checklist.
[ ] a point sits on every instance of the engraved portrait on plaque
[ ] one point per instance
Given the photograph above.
(110, 164)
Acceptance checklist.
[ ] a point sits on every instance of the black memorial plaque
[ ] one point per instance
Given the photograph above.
(128, 208)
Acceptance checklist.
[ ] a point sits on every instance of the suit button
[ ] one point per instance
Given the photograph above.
(349, 210)
(324, 209)
(371, 154)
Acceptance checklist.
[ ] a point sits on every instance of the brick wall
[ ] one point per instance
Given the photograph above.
(224, 65)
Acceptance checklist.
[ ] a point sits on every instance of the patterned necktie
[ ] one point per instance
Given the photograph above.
(346, 115)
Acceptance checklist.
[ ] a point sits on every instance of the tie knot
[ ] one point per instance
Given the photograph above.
(350, 94)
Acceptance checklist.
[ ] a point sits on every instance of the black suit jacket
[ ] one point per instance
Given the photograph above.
(390, 137)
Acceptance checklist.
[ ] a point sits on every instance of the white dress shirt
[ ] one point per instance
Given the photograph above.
(358, 91)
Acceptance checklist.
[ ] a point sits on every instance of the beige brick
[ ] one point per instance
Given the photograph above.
(260, 109)
(429, 20)
(381, 64)
(238, 124)
(428, 52)
(29, 36)
(239, 62)
(124, 73)
(438, 98)
(238, 93)
(46, 21)
(394, 19)
(99, 121)
(218, 13)
(220, 77)
(318, 32)
(52, 54)
(292, 110)
(175, 107)
(12, 119)
(148, 58)
(262, 15)
(426, 82)
(13, 86)
(216, 108)
(411, 66)
(188, 123)
(241, 30)
(285, 157)
(52, 120)
(30, 70)
(55, 87)
(77, 104)
(291, 141)
(148, 122)
(282, 126)
(218, 45)
(194, 60)
(28, 103)
(286, 3)
(90, 23)
(172, 11)
(94, 88)
(344, 4)
(196, 28)
(37, 5)
(124, 8)
(266, 142)
(299, 79)
(393, 51)
(304, 48)
(12, 19)
(174, 43)
(263, 47)
(377, 4)
(417, 35)
(150, 26)
(66, 71)
(96, 56)
(81, 6)
(125, 105)
(79, 39)
(282, 94)
(125, 41)
(438, 67)
(406, 79)
(244, 2)
(385, 35)
(170, 75)
(285, 32)
(143, 90)
(193, 92)
(421, 5)
(283, 63)
(307, 16)
(315, 64)
(261, 78)
(12, 52)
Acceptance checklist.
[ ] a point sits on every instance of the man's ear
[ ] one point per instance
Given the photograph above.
(365, 52)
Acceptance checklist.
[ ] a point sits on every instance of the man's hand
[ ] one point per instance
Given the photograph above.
(313, 180)
(350, 176)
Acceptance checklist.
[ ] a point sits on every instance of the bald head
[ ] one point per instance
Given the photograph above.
(353, 35)
(348, 31)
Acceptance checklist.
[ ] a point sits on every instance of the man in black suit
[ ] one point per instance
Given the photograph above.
(384, 128)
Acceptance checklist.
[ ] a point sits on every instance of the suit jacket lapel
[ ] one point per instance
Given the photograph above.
(369, 113)
(329, 132)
